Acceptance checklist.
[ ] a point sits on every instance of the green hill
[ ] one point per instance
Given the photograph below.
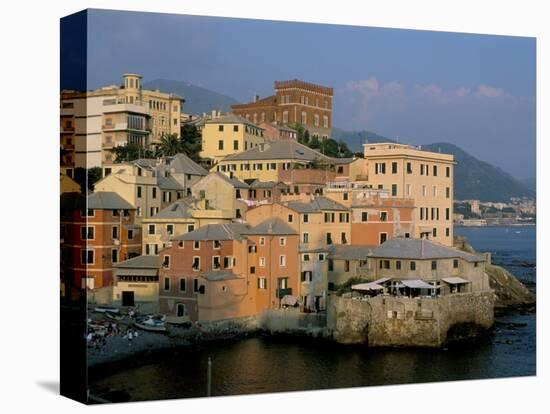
(197, 99)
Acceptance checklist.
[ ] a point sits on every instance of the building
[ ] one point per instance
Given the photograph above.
(228, 134)
(68, 185)
(294, 102)
(97, 231)
(302, 168)
(151, 184)
(94, 122)
(136, 283)
(426, 177)
(275, 132)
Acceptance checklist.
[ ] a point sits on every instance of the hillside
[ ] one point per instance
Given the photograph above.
(197, 99)
(356, 139)
(476, 179)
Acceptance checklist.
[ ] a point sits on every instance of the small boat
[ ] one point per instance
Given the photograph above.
(114, 316)
(103, 309)
(150, 324)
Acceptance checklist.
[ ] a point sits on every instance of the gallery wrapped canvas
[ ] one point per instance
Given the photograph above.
(263, 206)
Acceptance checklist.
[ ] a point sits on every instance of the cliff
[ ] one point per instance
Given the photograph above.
(509, 291)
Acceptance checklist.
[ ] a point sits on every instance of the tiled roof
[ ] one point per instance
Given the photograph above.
(176, 210)
(349, 252)
(231, 231)
(181, 163)
(141, 262)
(316, 205)
(231, 118)
(276, 150)
(101, 200)
(168, 183)
(273, 226)
(420, 249)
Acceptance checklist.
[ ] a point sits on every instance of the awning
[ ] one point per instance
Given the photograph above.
(382, 280)
(417, 284)
(455, 280)
(367, 286)
(289, 300)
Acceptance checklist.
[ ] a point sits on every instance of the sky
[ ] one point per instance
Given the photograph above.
(419, 87)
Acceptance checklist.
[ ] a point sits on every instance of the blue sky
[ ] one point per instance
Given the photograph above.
(476, 91)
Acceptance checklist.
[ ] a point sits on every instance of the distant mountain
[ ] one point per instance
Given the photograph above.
(197, 99)
(474, 179)
(356, 139)
(479, 180)
(530, 183)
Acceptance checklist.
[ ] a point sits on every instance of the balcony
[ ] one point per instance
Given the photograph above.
(281, 292)
(67, 129)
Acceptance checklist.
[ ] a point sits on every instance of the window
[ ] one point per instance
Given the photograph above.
(344, 217)
(285, 117)
(170, 229)
(290, 217)
(220, 145)
(383, 216)
(394, 167)
(398, 264)
(447, 231)
(346, 266)
(114, 255)
(196, 245)
(407, 235)
(252, 270)
(304, 118)
(307, 276)
(409, 190)
(305, 218)
(434, 264)
(434, 173)
(220, 128)
(130, 234)
(305, 237)
(182, 284)
(166, 261)
(152, 229)
(329, 217)
(190, 227)
(262, 241)
(166, 283)
(447, 171)
(321, 257)
(216, 264)
(305, 257)
(235, 128)
(394, 190)
(345, 196)
(87, 257)
(447, 192)
(154, 189)
(434, 191)
(329, 238)
(282, 260)
(409, 168)
(282, 282)
(216, 244)
(455, 264)
(262, 261)
(325, 121)
(423, 190)
(434, 232)
(383, 237)
(330, 265)
(87, 232)
(196, 263)
(364, 216)
(447, 213)
(138, 191)
(196, 287)
(180, 309)
(413, 266)
(236, 145)
(476, 264)
(282, 241)
(114, 232)
(343, 238)
(138, 213)
(262, 283)
(380, 168)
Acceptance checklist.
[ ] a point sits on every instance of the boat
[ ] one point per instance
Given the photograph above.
(149, 323)
(110, 309)
(114, 316)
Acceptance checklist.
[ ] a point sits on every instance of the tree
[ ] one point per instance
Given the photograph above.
(191, 141)
(169, 145)
(131, 152)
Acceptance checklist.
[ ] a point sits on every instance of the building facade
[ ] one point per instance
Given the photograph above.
(294, 102)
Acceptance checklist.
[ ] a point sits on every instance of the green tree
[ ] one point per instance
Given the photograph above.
(131, 152)
(89, 176)
(169, 145)
(191, 141)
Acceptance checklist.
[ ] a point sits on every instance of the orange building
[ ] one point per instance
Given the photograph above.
(294, 102)
(97, 231)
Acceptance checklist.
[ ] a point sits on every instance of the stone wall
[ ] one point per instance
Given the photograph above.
(291, 320)
(396, 321)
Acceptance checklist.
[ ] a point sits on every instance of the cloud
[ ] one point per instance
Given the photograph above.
(489, 91)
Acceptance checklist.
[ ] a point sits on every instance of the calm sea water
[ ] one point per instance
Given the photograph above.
(267, 364)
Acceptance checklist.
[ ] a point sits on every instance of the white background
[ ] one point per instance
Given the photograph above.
(29, 209)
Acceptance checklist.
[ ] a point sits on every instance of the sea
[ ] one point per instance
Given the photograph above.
(266, 364)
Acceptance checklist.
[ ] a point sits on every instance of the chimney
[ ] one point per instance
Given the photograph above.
(256, 98)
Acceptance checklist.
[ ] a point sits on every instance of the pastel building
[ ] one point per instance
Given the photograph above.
(426, 177)
(97, 231)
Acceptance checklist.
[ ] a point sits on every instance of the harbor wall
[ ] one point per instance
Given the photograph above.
(403, 321)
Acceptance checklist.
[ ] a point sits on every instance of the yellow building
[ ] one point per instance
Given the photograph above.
(68, 185)
(94, 122)
(427, 177)
(228, 134)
